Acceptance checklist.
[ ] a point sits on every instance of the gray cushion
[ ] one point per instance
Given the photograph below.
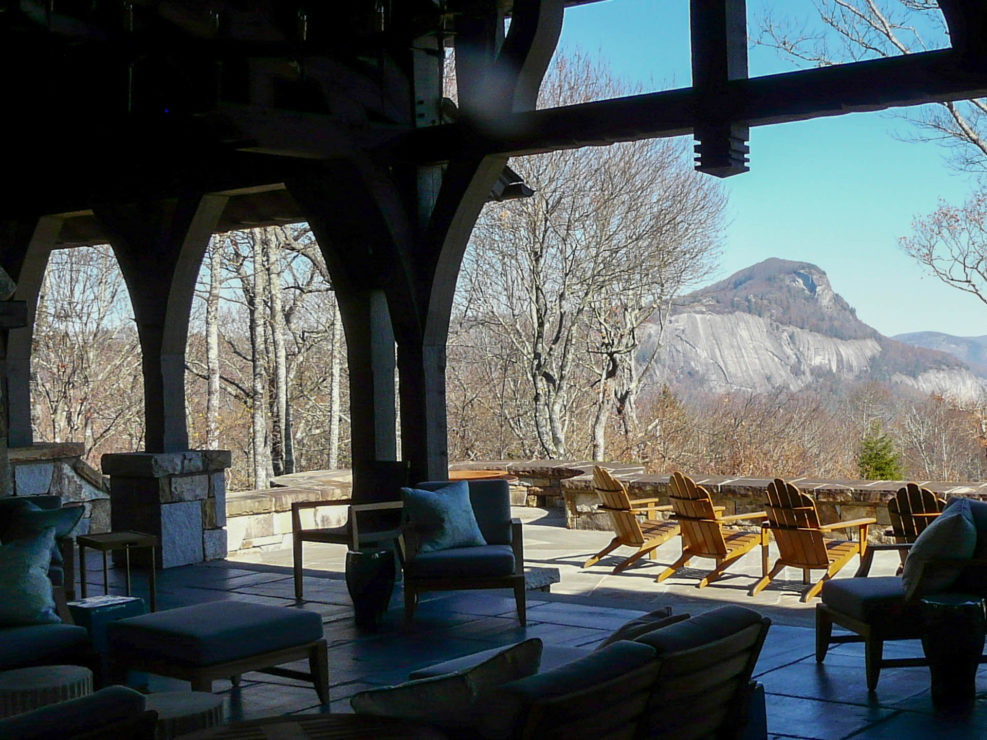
(509, 704)
(491, 500)
(444, 517)
(476, 562)
(76, 716)
(452, 700)
(215, 632)
(974, 580)
(28, 520)
(952, 534)
(25, 591)
(879, 601)
(642, 625)
(701, 630)
(552, 657)
(42, 644)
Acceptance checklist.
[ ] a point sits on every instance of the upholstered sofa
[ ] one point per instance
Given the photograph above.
(670, 678)
(113, 713)
(24, 645)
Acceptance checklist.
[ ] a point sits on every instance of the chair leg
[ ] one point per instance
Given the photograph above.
(816, 588)
(520, 598)
(318, 664)
(721, 566)
(670, 570)
(634, 558)
(235, 680)
(824, 632)
(614, 544)
(296, 564)
(766, 579)
(873, 655)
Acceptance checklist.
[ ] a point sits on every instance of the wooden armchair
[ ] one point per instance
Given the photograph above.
(378, 487)
(794, 521)
(628, 530)
(911, 510)
(702, 530)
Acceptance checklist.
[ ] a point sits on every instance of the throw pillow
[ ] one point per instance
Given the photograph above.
(25, 591)
(952, 535)
(453, 701)
(444, 518)
(642, 625)
(27, 521)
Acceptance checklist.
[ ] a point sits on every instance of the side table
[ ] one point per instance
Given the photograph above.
(953, 640)
(109, 541)
(24, 689)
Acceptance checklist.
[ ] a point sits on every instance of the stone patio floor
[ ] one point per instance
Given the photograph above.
(804, 699)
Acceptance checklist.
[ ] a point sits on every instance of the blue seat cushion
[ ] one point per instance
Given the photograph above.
(41, 644)
(876, 601)
(215, 632)
(463, 562)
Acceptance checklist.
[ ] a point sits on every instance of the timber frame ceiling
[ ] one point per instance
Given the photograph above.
(126, 100)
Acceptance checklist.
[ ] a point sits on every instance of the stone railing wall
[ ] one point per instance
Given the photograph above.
(262, 519)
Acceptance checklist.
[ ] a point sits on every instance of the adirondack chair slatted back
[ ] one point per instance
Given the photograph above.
(911, 510)
(694, 510)
(616, 502)
(795, 525)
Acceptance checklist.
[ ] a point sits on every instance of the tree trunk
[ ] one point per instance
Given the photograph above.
(277, 327)
(259, 437)
(212, 346)
(335, 371)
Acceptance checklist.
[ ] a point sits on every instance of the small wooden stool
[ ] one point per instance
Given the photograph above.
(181, 712)
(24, 689)
(109, 541)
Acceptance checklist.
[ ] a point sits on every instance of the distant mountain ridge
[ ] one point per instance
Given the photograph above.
(780, 324)
(970, 350)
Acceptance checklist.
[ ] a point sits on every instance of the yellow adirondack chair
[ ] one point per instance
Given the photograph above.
(912, 509)
(702, 529)
(794, 521)
(628, 530)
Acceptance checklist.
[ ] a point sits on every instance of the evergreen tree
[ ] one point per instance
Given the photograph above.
(878, 459)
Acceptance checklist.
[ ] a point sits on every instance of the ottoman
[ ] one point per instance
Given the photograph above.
(221, 639)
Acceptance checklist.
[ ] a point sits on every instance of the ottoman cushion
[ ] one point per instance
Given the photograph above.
(215, 632)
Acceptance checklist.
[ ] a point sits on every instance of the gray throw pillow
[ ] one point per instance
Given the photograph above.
(951, 535)
(443, 518)
(25, 591)
(642, 625)
(454, 700)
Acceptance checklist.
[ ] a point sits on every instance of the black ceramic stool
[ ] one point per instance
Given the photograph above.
(370, 581)
(953, 640)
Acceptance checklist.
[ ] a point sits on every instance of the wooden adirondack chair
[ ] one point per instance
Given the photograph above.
(793, 519)
(911, 510)
(702, 529)
(646, 536)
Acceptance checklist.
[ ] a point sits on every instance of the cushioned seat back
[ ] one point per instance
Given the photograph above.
(795, 526)
(600, 696)
(615, 501)
(491, 502)
(705, 670)
(974, 580)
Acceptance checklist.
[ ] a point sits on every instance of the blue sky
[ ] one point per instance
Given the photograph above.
(837, 192)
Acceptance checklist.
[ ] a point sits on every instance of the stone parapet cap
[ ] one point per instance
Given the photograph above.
(276, 500)
(164, 464)
(46, 451)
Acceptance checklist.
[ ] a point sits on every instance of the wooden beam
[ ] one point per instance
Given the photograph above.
(872, 85)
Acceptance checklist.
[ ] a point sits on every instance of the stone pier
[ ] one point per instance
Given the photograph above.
(179, 496)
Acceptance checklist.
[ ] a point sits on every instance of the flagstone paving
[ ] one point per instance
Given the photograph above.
(804, 699)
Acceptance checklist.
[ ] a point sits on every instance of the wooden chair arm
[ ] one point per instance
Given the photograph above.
(297, 506)
(517, 544)
(635, 502)
(357, 508)
(742, 517)
(848, 524)
(863, 570)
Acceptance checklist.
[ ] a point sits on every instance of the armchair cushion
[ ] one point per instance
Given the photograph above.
(952, 535)
(453, 700)
(974, 580)
(40, 644)
(25, 591)
(642, 625)
(874, 600)
(463, 562)
(444, 518)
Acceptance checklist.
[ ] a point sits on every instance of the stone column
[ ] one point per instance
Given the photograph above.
(178, 496)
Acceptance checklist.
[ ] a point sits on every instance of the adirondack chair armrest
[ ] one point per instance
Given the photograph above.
(635, 502)
(356, 509)
(517, 544)
(742, 517)
(297, 506)
(865, 562)
(849, 524)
